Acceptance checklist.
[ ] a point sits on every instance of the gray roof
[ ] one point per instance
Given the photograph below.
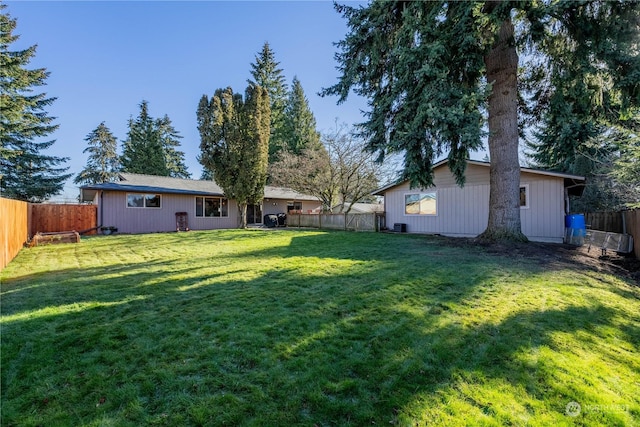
(161, 184)
(361, 207)
(569, 178)
(286, 193)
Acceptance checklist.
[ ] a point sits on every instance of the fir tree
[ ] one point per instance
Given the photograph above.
(151, 147)
(25, 172)
(432, 69)
(300, 124)
(265, 73)
(234, 135)
(103, 162)
(174, 158)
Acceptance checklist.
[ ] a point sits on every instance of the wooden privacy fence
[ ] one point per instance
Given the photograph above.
(50, 218)
(14, 228)
(617, 222)
(338, 221)
(20, 221)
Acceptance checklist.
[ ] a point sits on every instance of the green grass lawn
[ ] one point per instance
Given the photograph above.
(282, 328)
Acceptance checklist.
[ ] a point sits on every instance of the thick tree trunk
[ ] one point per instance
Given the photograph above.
(504, 199)
(242, 211)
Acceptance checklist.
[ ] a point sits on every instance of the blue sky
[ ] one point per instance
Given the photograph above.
(106, 57)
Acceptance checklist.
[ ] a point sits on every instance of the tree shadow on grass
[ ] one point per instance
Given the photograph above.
(281, 348)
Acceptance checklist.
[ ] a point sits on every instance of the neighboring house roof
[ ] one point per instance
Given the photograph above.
(570, 179)
(271, 192)
(138, 183)
(361, 207)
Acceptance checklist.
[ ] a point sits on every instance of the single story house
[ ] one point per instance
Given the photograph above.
(450, 210)
(147, 204)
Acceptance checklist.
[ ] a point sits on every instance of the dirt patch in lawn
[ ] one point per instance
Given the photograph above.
(555, 255)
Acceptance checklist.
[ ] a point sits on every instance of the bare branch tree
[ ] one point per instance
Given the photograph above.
(342, 171)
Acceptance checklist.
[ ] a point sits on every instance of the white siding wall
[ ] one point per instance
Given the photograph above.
(464, 211)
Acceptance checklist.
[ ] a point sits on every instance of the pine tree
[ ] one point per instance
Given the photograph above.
(234, 135)
(174, 158)
(103, 162)
(300, 124)
(25, 172)
(265, 73)
(432, 69)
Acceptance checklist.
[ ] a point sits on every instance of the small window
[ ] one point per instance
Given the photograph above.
(294, 207)
(152, 201)
(212, 207)
(524, 196)
(143, 200)
(420, 204)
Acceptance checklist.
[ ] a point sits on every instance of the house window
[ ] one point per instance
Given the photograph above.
(524, 196)
(294, 207)
(212, 207)
(420, 203)
(143, 201)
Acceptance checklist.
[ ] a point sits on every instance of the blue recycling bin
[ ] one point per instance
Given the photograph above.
(576, 230)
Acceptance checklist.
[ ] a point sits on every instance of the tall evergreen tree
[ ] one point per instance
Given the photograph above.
(26, 173)
(103, 162)
(431, 69)
(265, 73)
(151, 147)
(142, 150)
(174, 158)
(299, 122)
(234, 135)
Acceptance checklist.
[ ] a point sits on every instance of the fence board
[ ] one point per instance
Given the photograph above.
(632, 224)
(617, 222)
(339, 221)
(13, 229)
(604, 221)
(51, 218)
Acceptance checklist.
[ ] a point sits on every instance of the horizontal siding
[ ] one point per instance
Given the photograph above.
(465, 211)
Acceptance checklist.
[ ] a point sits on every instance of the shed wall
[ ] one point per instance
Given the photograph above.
(464, 212)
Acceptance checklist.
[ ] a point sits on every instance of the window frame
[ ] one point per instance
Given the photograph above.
(419, 193)
(144, 200)
(223, 206)
(292, 204)
(527, 204)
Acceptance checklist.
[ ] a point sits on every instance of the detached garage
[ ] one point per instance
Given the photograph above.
(450, 210)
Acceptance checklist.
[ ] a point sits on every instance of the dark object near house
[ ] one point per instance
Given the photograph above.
(108, 230)
(271, 220)
(182, 222)
(282, 219)
(399, 227)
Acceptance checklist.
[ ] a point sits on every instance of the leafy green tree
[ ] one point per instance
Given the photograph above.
(174, 158)
(299, 123)
(26, 173)
(234, 143)
(431, 70)
(103, 162)
(265, 73)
